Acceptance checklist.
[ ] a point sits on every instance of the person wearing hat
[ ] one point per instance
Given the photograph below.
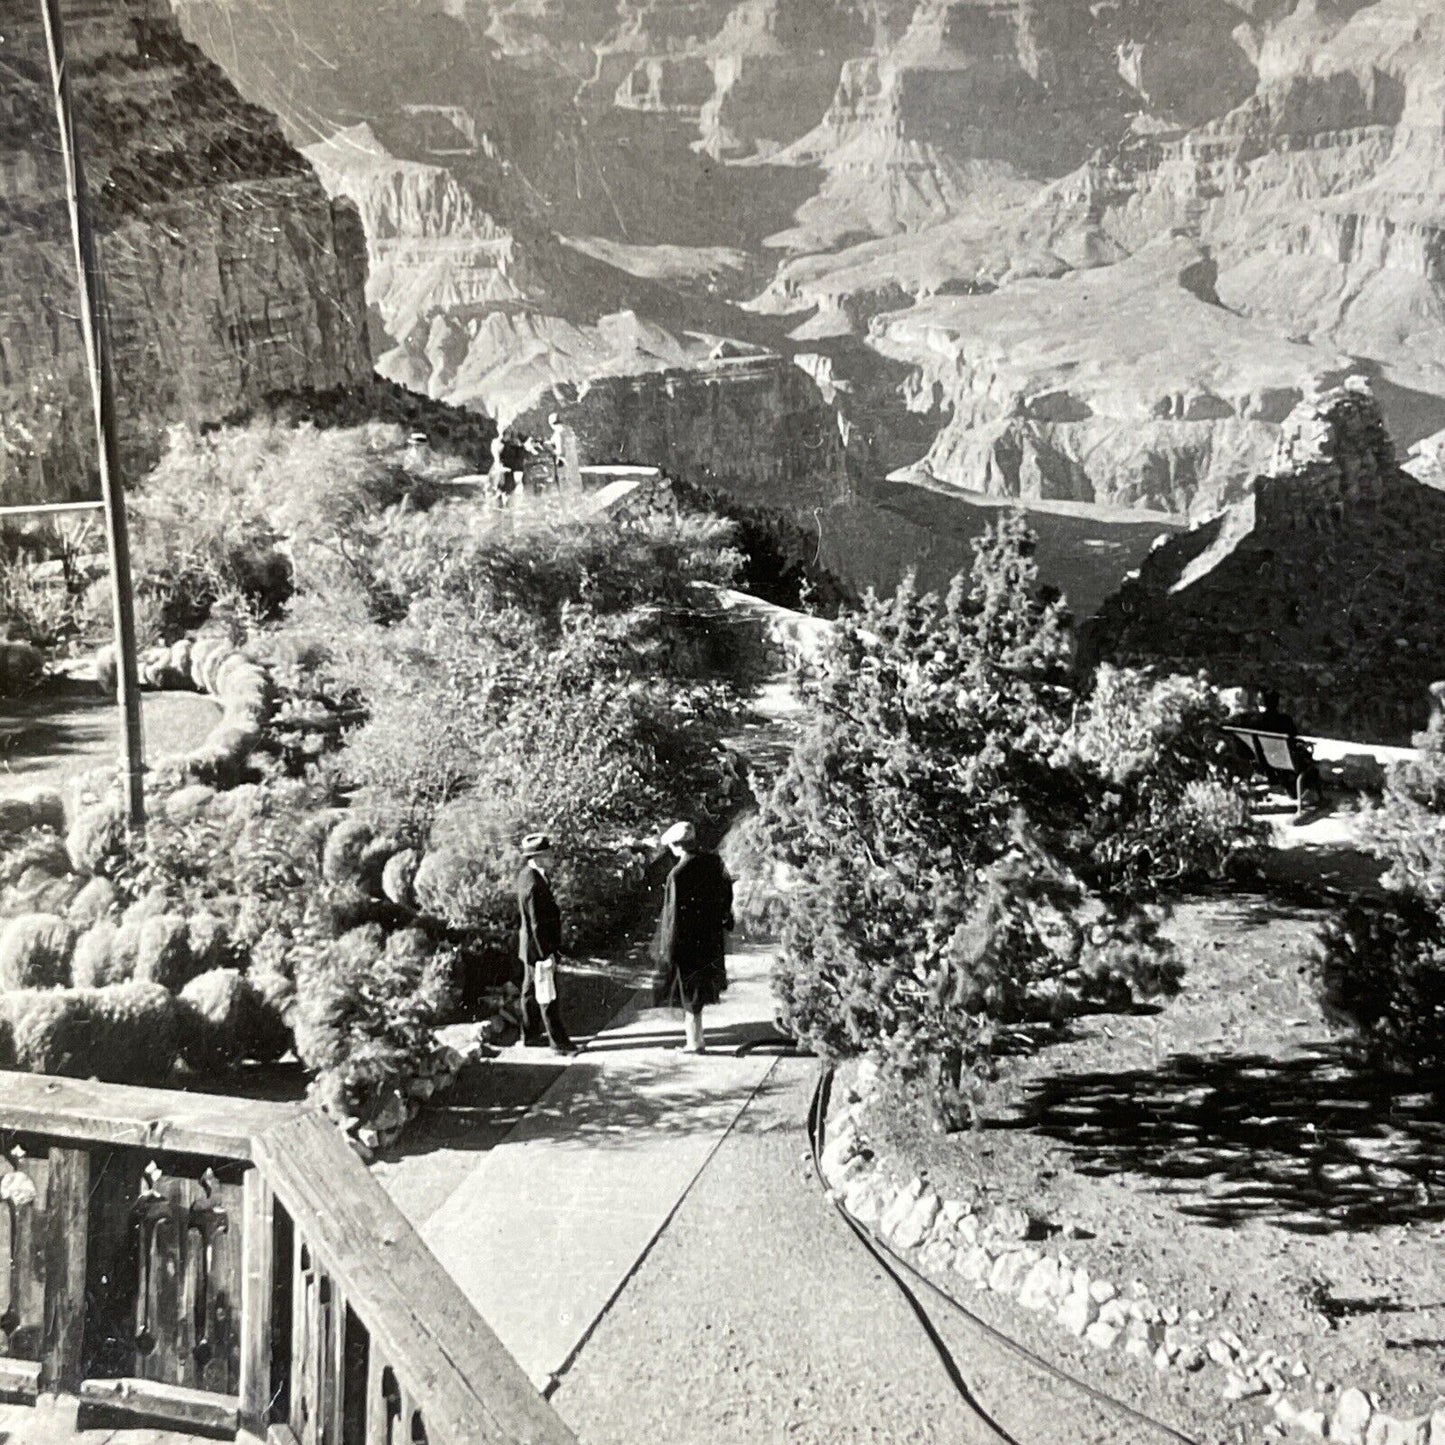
(540, 946)
(697, 911)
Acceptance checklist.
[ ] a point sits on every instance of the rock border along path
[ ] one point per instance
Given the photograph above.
(546, 1227)
(970, 1244)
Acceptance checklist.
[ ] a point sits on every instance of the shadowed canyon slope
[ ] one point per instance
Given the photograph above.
(1036, 248)
(230, 273)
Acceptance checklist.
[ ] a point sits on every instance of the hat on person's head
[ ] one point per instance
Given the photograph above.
(536, 843)
(683, 834)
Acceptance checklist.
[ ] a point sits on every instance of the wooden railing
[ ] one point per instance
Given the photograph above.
(231, 1267)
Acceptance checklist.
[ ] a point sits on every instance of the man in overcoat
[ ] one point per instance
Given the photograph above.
(539, 946)
(697, 912)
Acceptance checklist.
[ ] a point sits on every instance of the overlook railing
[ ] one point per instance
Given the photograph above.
(229, 1266)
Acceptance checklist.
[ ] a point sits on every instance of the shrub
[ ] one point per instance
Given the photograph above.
(163, 951)
(92, 964)
(398, 877)
(935, 820)
(51, 1031)
(1381, 973)
(209, 942)
(215, 1020)
(136, 1032)
(95, 901)
(368, 1008)
(35, 951)
(345, 845)
(1171, 810)
(96, 839)
(122, 1034)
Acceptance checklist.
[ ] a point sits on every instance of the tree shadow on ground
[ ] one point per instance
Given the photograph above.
(1309, 1143)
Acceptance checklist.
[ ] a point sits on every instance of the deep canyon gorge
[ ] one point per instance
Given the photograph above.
(878, 264)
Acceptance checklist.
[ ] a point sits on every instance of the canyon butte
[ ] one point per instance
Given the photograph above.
(878, 265)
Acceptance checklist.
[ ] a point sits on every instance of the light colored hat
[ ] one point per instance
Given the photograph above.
(536, 843)
(682, 833)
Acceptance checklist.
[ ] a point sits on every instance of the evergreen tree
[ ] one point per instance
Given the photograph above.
(931, 815)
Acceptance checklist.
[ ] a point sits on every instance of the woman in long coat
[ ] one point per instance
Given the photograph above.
(697, 912)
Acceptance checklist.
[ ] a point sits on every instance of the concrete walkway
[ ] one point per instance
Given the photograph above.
(544, 1229)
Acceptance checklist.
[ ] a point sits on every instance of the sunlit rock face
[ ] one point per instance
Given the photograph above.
(1055, 249)
(231, 273)
(1322, 583)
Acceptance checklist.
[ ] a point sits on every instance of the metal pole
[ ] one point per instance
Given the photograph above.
(97, 351)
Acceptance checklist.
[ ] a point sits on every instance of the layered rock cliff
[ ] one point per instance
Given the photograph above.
(1323, 583)
(231, 274)
(1060, 249)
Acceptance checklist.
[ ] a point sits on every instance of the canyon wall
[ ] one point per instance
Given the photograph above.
(1322, 583)
(230, 273)
(1052, 250)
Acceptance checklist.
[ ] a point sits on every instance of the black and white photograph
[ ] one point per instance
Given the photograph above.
(722, 722)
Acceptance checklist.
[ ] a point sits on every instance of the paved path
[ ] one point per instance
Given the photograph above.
(756, 1319)
(542, 1231)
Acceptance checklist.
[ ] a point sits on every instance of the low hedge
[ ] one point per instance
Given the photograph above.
(35, 951)
(123, 1034)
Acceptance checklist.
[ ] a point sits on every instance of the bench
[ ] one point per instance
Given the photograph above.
(1284, 759)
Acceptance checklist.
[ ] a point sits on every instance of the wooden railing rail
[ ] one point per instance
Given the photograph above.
(231, 1265)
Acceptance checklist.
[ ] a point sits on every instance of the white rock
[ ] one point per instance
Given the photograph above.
(1311, 1422)
(912, 1229)
(1008, 1272)
(1164, 1357)
(855, 1169)
(1400, 1432)
(937, 1256)
(967, 1229)
(898, 1209)
(1437, 1424)
(1219, 1352)
(954, 1210)
(1078, 1312)
(1040, 1289)
(1112, 1312)
(866, 1196)
(1242, 1387)
(1101, 1291)
(974, 1265)
(840, 1149)
(1101, 1336)
(1351, 1417)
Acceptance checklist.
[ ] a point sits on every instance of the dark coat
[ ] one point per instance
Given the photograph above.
(696, 915)
(541, 933)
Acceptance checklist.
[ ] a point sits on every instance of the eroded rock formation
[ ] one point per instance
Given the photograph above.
(231, 274)
(1323, 583)
(1207, 208)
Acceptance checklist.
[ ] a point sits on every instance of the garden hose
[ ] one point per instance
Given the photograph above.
(894, 1266)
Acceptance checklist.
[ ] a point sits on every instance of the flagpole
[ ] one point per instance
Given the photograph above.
(96, 335)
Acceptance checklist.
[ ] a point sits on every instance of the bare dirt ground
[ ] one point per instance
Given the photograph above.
(69, 726)
(1224, 1151)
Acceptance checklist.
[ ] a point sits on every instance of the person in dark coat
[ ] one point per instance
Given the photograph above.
(539, 946)
(697, 912)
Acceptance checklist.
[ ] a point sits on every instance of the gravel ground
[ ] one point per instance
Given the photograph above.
(757, 1317)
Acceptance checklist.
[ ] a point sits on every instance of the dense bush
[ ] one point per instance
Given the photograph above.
(224, 1018)
(964, 837)
(1381, 968)
(124, 1034)
(1381, 972)
(367, 1010)
(35, 951)
(1171, 808)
